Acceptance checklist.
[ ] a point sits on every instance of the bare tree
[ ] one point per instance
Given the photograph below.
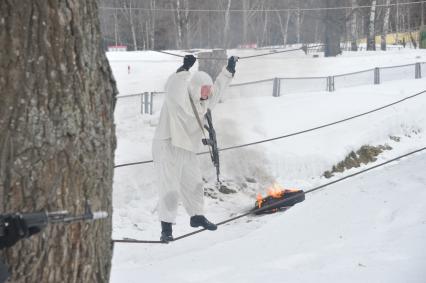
(150, 24)
(298, 23)
(334, 20)
(354, 27)
(225, 41)
(284, 27)
(371, 36)
(57, 136)
(385, 27)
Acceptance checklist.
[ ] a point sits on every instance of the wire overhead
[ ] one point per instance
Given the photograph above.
(262, 10)
(296, 133)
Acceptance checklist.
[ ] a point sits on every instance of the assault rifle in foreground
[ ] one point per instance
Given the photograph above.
(36, 221)
(212, 142)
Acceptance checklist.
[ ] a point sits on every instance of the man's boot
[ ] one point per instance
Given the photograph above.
(166, 232)
(200, 220)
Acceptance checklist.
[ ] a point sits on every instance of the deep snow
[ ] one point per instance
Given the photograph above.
(369, 228)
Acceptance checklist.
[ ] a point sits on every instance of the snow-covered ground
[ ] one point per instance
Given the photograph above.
(367, 229)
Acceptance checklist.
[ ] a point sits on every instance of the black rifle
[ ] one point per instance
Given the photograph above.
(212, 142)
(39, 220)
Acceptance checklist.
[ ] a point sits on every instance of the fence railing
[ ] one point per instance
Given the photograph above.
(280, 86)
(146, 100)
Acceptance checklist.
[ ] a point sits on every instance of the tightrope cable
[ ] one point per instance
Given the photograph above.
(304, 48)
(280, 203)
(296, 133)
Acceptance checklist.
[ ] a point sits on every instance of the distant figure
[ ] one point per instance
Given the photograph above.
(178, 138)
(128, 69)
(403, 42)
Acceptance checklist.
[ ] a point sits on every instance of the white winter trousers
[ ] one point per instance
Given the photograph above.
(178, 176)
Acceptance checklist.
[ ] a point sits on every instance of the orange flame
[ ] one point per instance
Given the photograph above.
(276, 191)
(259, 200)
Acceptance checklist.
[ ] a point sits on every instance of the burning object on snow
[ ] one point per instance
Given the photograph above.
(278, 199)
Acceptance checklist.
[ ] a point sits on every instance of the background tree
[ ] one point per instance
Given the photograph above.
(57, 136)
(354, 25)
(371, 35)
(385, 27)
(232, 23)
(334, 20)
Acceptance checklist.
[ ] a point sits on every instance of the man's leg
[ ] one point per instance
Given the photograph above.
(192, 191)
(166, 170)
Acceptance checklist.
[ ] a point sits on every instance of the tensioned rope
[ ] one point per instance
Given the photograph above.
(267, 207)
(296, 133)
(263, 10)
(304, 48)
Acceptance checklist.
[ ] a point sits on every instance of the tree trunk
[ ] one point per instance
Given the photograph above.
(354, 37)
(298, 23)
(397, 22)
(334, 20)
(182, 21)
(371, 37)
(57, 136)
(226, 28)
(245, 21)
(286, 27)
(128, 14)
(385, 28)
(152, 25)
(132, 28)
(283, 29)
(265, 28)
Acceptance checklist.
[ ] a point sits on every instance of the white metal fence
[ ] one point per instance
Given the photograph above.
(354, 79)
(150, 102)
(282, 86)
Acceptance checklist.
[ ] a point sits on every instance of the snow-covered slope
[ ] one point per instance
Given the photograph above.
(368, 229)
(360, 230)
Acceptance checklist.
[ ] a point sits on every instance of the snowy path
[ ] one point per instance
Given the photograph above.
(368, 229)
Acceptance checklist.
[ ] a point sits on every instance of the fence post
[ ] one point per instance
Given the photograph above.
(376, 76)
(142, 102)
(145, 103)
(151, 102)
(330, 83)
(276, 87)
(418, 71)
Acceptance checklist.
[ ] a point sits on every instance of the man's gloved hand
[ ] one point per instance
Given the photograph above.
(188, 62)
(232, 61)
(14, 228)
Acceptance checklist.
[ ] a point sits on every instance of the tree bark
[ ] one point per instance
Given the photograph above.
(226, 27)
(354, 37)
(371, 36)
(152, 25)
(182, 21)
(283, 29)
(334, 20)
(57, 136)
(385, 28)
(298, 23)
(132, 27)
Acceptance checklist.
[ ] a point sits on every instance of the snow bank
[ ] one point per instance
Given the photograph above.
(328, 238)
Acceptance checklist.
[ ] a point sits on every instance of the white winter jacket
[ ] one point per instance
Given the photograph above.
(177, 119)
